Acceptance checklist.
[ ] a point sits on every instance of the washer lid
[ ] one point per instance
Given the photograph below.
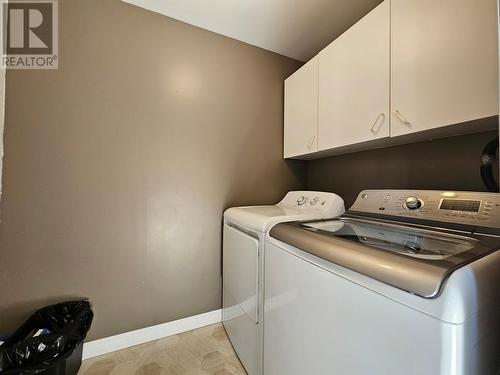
(409, 241)
(411, 258)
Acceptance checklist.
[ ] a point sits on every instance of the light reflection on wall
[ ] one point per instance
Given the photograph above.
(184, 81)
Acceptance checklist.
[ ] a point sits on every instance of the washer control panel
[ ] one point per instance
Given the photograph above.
(470, 208)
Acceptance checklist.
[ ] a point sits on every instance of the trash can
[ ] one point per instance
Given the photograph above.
(50, 342)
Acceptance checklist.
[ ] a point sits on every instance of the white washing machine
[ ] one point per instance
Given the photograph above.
(405, 283)
(243, 265)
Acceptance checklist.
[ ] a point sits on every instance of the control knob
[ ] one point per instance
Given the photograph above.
(301, 200)
(413, 203)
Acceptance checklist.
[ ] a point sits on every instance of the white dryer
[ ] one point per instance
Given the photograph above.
(243, 265)
(405, 282)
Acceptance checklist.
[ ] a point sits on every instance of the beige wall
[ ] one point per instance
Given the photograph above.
(119, 165)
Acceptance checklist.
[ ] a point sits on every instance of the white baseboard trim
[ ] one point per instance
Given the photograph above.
(143, 335)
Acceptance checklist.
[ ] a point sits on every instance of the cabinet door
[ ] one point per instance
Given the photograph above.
(444, 63)
(354, 83)
(301, 111)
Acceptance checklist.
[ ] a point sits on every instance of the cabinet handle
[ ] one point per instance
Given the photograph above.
(401, 117)
(311, 142)
(372, 129)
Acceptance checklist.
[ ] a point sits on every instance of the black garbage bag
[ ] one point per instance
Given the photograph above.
(64, 325)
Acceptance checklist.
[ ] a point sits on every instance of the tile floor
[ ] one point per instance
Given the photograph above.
(202, 351)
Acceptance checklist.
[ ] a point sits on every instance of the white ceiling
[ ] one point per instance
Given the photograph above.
(294, 28)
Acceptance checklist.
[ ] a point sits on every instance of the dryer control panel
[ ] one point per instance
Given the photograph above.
(462, 207)
(330, 204)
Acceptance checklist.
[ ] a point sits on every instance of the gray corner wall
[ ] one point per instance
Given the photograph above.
(118, 166)
(441, 164)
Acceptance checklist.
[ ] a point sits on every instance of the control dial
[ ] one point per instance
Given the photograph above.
(413, 203)
(301, 200)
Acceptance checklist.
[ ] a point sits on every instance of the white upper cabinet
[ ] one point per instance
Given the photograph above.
(407, 71)
(444, 63)
(301, 111)
(354, 83)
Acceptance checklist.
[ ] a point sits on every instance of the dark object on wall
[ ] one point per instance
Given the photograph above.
(488, 158)
(50, 342)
